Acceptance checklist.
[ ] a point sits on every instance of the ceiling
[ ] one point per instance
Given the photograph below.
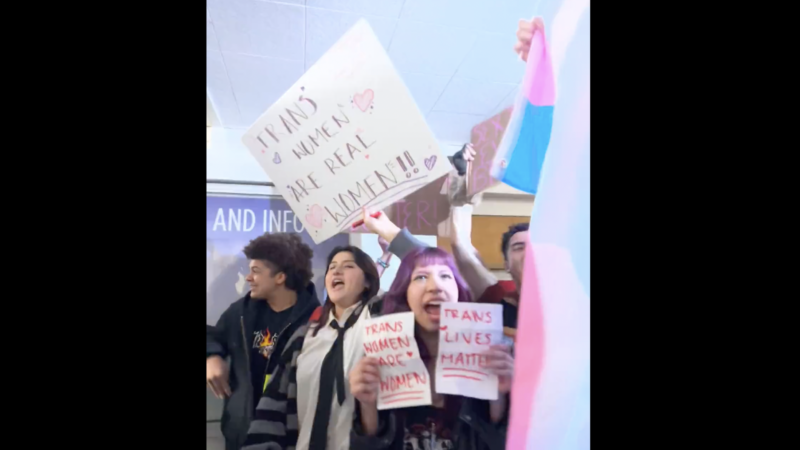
(455, 56)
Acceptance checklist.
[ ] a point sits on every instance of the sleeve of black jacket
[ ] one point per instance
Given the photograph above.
(383, 439)
(275, 421)
(217, 336)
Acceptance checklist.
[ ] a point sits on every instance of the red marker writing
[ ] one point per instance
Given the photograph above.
(374, 215)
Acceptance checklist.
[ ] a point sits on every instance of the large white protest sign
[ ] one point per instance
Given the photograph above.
(347, 134)
(466, 331)
(405, 380)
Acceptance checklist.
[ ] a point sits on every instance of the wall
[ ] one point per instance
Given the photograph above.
(368, 242)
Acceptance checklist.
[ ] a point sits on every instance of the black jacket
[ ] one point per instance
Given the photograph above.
(229, 338)
(474, 430)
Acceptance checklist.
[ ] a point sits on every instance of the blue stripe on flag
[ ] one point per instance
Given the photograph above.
(527, 156)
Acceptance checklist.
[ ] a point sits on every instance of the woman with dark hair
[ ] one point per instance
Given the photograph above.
(426, 279)
(318, 357)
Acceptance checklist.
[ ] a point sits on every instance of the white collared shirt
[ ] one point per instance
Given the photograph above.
(309, 365)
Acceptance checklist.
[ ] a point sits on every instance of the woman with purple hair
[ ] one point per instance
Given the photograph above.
(426, 279)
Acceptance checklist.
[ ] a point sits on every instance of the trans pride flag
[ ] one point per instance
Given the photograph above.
(520, 155)
(550, 396)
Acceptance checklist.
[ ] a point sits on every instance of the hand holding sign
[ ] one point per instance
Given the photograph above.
(379, 224)
(468, 363)
(500, 362)
(365, 380)
(404, 379)
(469, 152)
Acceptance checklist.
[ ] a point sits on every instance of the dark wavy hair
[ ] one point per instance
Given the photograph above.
(284, 252)
(512, 230)
(371, 278)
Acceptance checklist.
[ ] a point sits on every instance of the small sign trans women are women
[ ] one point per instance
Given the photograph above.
(346, 135)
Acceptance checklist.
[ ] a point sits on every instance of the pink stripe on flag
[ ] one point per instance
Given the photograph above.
(529, 357)
(538, 84)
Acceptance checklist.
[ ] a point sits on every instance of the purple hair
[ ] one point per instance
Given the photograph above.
(395, 299)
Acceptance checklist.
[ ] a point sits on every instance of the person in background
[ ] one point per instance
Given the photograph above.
(319, 356)
(281, 299)
(426, 279)
(482, 283)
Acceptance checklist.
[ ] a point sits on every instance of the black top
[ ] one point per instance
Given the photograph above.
(510, 313)
(427, 428)
(268, 325)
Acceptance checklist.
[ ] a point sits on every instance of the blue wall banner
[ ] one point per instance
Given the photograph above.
(231, 223)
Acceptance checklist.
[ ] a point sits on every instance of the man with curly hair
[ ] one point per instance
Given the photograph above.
(281, 299)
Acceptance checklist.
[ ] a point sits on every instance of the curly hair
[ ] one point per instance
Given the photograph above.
(284, 252)
(512, 230)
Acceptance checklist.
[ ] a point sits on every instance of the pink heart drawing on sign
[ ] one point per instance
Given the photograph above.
(277, 158)
(410, 354)
(314, 218)
(429, 162)
(364, 100)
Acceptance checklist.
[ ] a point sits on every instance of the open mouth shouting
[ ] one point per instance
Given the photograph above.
(433, 309)
(337, 284)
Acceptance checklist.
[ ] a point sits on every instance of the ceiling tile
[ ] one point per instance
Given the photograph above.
(496, 15)
(456, 13)
(425, 89)
(452, 127)
(502, 16)
(472, 96)
(259, 28)
(505, 103)
(219, 90)
(211, 37)
(421, 48)
(386, 8)
(325, 27)
(492, 58)
(258, 82)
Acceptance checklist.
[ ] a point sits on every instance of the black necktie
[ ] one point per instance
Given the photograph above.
(331, 373)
